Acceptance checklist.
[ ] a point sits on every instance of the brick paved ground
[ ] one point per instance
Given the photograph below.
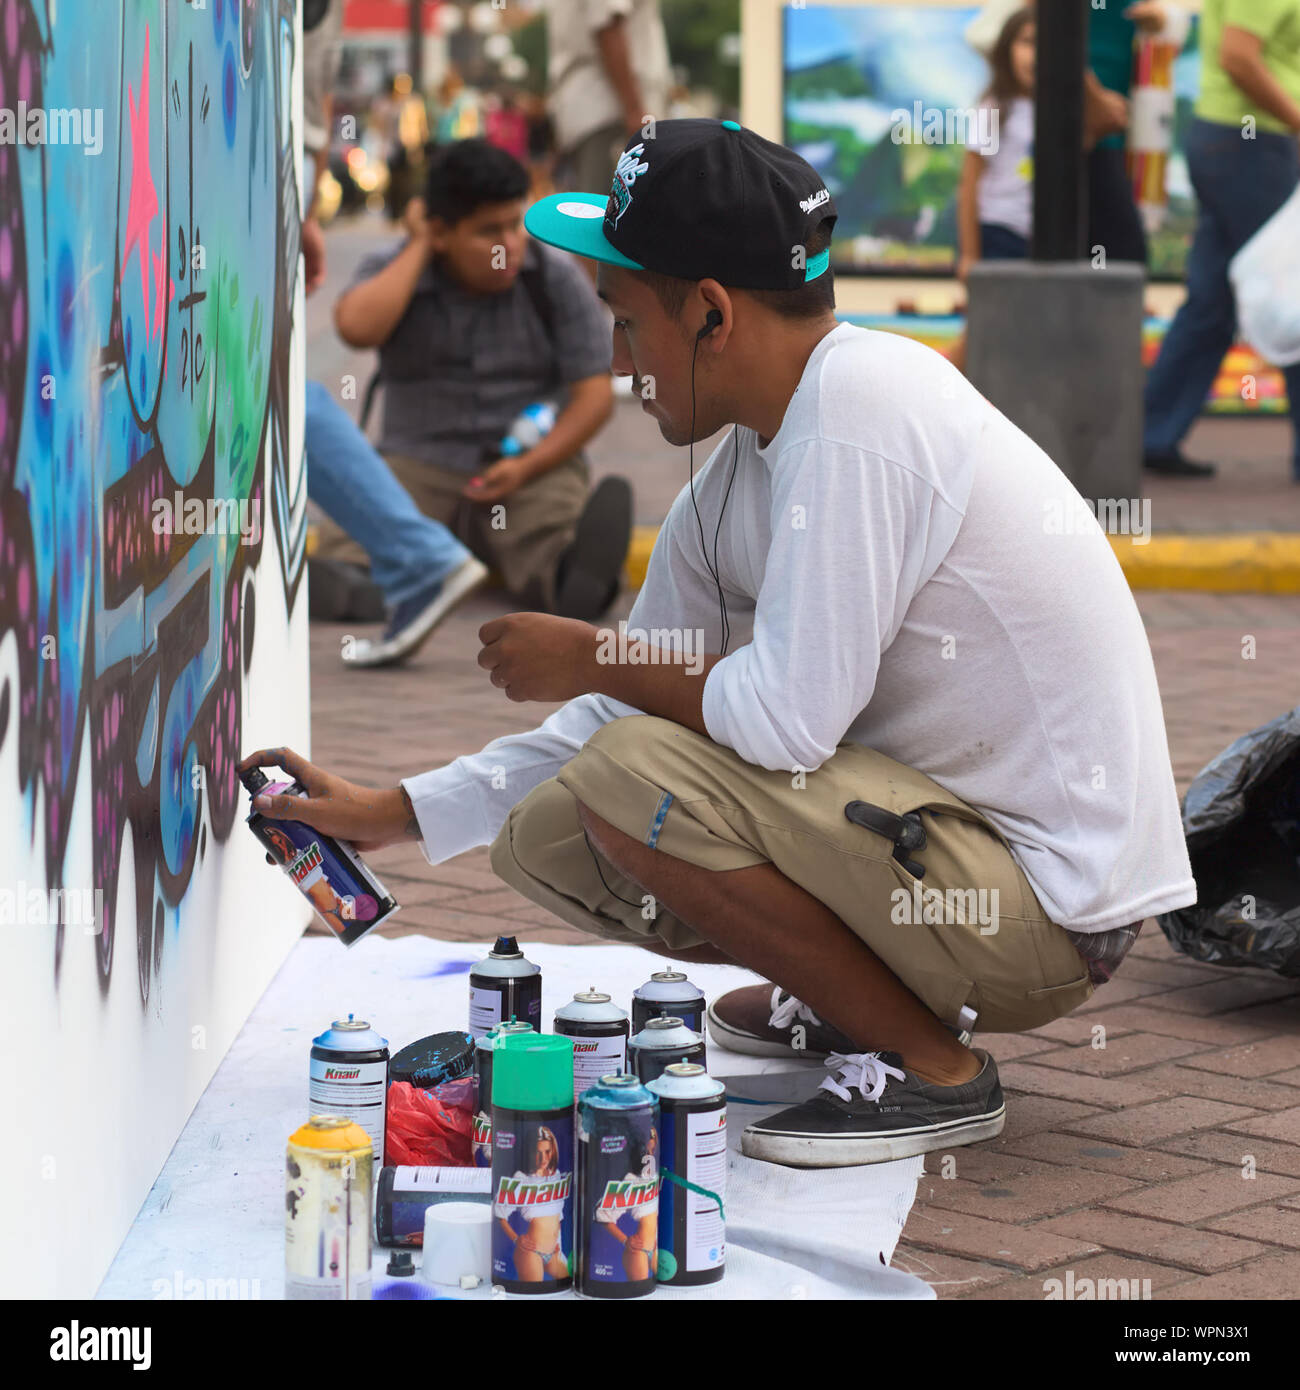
(1122, 1161)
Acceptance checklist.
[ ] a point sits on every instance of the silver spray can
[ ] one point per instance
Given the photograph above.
(668, 992)
(504, 986)
(599, 1029)
(661, 1042)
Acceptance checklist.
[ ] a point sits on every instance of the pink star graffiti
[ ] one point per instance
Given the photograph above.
(143, 205)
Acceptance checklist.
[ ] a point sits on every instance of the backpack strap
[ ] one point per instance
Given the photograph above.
(534, 282)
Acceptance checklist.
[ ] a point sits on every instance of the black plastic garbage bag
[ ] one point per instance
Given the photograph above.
(1242, 820)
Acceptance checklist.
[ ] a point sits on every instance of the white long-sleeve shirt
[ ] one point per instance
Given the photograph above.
(903, 569)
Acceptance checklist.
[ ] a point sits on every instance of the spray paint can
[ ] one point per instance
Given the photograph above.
(504, 986)
(661, 1041)
(532, 1163)
(481, 1136)
(328, 1168)
(403, 1195)
(348, 1075)
(668, 992)
(618, 1189)
(599, 1031)
(693, 1130)
(329, 873)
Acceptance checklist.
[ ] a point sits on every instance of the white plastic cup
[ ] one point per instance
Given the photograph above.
(457, 1241)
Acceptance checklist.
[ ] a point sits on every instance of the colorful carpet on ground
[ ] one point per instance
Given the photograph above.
(1246, 385)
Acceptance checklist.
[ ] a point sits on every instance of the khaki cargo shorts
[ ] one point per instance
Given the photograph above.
(983, 940)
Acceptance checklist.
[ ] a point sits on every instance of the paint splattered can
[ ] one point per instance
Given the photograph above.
(668, 992)
(532, 1163)
(481, 1136)
(617, 1237)
(348, 1075)
(327, 1221)
(504, 987)
(693, 1173)
(661, 1041)
(599, 1030)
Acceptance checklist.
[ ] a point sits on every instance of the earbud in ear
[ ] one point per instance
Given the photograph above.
(711, 321)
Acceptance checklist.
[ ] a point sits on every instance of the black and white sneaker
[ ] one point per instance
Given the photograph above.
(767, 1021)
(871, 1110)
(412, 622)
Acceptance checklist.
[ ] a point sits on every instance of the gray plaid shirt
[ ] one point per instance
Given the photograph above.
(459, 367)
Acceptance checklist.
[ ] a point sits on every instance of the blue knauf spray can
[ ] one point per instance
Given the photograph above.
(693, 1175)
(532, 1163)
(618, 1189)
(481, 1137)
(504, 986)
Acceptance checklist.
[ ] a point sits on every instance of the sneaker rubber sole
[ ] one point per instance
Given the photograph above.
(849, 1150)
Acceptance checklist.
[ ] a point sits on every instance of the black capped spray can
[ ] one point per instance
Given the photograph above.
(481, 1135)
(617, 1232)
(661, 1041)
(693, 1150)
(504, 986)
(348, 1075)
(599, 1030)
(668, 992)
(532, 1163)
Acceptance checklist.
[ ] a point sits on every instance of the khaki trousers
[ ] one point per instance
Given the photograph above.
(971, 933)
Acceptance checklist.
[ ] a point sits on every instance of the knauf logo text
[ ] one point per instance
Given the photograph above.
(622, 1195)
(520, 1192)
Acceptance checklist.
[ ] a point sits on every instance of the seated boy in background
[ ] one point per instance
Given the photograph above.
(474, 322)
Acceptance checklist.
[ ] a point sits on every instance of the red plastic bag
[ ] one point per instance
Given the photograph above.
(429, 1127)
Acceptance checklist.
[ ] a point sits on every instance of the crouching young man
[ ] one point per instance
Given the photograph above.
(878, 729)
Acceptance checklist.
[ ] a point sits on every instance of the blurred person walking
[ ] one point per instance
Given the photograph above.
(1244, 164)
(608, 72)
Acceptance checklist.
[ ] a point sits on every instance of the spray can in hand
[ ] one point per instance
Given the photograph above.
(329, 873)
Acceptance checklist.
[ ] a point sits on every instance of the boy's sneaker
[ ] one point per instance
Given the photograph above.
(765, 1021)
(870, 1109)
(415, 618)
(589, 571)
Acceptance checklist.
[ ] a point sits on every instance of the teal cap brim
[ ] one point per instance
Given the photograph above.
(575, 222)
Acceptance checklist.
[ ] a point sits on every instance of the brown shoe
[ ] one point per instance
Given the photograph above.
(765, 1021)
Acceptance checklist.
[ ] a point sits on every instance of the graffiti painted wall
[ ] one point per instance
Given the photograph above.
(152, 603)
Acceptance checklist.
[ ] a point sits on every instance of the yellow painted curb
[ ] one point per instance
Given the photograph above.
(1247, 562)
(638, 555)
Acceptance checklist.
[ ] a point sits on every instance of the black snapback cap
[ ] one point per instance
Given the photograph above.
(700, 199)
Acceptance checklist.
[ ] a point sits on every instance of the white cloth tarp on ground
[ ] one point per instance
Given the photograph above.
(213, 1223)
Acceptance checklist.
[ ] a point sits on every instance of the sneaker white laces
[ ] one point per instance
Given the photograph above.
(785, 1011)
(865, 1070)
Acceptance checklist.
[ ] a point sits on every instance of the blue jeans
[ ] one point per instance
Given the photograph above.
(1239, 185)
(355, 488)
(998, 243)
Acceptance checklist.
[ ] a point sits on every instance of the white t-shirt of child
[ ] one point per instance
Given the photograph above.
(1006, 191)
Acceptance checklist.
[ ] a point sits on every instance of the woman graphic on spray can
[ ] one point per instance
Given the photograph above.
(640, 1235)
(537, 1250)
